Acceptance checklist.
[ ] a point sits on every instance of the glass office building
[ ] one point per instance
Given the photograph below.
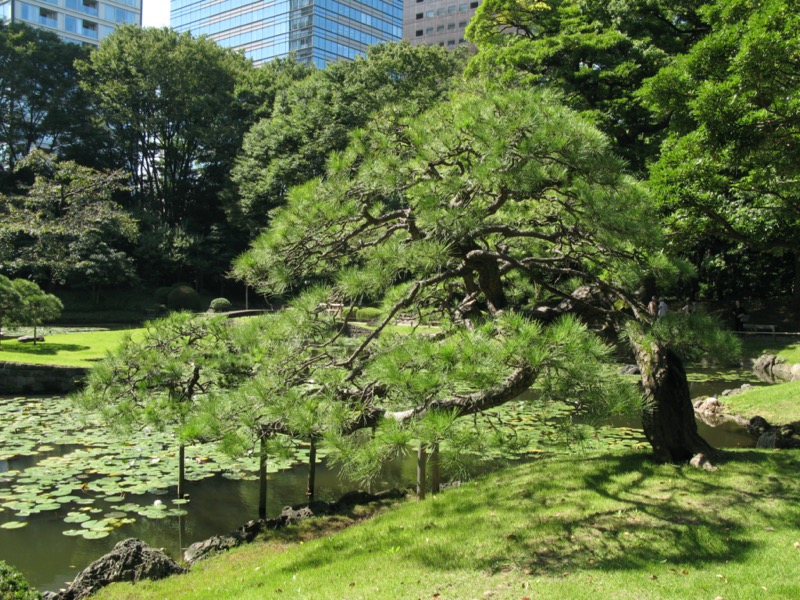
(81, 21)
(316, 31)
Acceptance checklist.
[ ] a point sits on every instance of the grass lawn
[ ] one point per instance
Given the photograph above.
(789, 350)
(582, 527)
(778, 404)
(73, 349)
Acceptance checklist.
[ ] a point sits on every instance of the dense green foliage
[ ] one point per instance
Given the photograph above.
(728, 175)
(66, 227)
(13, 585)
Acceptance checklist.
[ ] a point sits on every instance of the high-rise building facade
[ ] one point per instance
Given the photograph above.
(437, 22)
(81, 21)
(315, 31)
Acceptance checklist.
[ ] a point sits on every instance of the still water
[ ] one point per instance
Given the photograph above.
(48, 558)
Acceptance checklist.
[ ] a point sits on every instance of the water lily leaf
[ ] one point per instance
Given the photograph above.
(73, 532)
(95, 534)
(76, 517)
(14, 525)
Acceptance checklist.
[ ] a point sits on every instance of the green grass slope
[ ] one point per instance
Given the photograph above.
(580, 527)
(79, 349)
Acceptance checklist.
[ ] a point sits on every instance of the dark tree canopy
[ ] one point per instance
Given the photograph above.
(598, 53)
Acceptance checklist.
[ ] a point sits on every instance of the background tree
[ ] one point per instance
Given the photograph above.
(36, 307)
(728, 174)
(9, 301)
(40, 100)
(598, 53)
(313, 117)
(66, 227)
(494, 213)
(176, 108)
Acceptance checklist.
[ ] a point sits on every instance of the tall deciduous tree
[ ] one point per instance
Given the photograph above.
(731, 167)
(67, 227)
(40, 100)
(170, 103)
(314, 116)
(596, 52)
(496, 214)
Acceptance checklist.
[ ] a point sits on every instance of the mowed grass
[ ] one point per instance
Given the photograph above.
(581, 527)
(778, 404)
(77, 349)
(789, 350)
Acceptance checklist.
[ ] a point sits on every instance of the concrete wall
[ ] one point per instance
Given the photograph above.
(19, 378)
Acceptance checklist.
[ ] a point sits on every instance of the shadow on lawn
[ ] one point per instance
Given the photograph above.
(607, 513)
(40, 349)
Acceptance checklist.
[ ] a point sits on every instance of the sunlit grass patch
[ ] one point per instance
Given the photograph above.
(600, 526)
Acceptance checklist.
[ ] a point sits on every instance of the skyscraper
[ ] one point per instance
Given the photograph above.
(81, 21)
(439, 22)
(316, 31)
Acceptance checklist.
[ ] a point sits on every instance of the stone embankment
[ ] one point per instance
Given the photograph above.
(27, 379)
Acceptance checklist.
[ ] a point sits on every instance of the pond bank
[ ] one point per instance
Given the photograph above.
(30, 379)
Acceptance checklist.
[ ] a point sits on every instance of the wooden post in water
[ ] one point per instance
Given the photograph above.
(312, 469)
(435, 474)
(422, 459)
(262, 479)
(181, 470)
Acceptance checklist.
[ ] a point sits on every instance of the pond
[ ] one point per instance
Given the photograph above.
(70, 490)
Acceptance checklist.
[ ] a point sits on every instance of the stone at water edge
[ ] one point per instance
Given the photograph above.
(130, 560)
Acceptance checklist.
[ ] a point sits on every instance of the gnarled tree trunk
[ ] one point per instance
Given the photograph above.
(667, 411)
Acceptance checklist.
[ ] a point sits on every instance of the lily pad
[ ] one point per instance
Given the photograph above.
(14, 525)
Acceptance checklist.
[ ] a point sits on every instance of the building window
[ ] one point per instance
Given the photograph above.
(451, 9)
(462, 7)
(440, 12)
(451, 26)
(419, 32)
(462, 24)
(48, 17)
(430, 13)
(428, 30)
(474, 4)
(439, 28)
(419, 16)
(451, 42)
(89, 29)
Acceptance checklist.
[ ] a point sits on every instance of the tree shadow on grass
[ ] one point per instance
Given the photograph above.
(609, 513)
(40, 349)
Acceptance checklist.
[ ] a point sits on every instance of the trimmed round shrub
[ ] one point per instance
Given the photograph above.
(13, 585)
(160, 295)
(183, 297)
(368, 313)
(219, 305)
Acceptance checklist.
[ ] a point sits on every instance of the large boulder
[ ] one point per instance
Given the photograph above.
(130, 560)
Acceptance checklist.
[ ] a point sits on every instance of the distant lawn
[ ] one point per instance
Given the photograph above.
(789, 350)
(778, 404)
(75, 349)
(586, 527)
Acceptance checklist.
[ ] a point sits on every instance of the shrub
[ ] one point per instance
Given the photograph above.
(13, 585)
(219, 305)
(183, 297)
(368, 313)
(160, 295)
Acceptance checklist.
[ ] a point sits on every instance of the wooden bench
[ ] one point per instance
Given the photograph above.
(759, 327)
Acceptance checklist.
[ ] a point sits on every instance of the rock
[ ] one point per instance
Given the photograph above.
(289, 515)
(701, 461)
(26, 339)
(130, 560)
(757, 426)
